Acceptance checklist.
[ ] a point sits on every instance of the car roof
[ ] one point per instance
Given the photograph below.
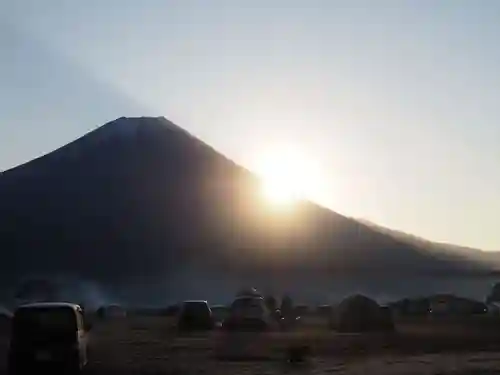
(48, 305)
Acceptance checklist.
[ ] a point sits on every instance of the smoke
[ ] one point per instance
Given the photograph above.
(63, 288)
(220, 288)
(89, 293)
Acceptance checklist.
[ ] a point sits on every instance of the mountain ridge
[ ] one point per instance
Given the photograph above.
(162, 208)
(111, 129)
(491, 258)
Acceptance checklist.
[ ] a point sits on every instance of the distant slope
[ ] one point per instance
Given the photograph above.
(139, 201)
(489, 259)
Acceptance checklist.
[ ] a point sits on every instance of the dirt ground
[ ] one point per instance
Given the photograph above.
(150, 346)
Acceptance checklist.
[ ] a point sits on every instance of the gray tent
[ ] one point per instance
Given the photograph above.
(362, 314)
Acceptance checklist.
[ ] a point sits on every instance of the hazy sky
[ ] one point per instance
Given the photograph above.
(396, 101)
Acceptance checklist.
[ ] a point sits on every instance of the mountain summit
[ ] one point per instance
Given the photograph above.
(140, 201)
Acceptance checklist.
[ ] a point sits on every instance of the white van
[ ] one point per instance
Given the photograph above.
(49, 334)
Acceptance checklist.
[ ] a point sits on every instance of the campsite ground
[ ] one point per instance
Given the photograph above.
(143, 345)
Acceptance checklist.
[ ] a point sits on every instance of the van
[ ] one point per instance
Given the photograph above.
(50, 334)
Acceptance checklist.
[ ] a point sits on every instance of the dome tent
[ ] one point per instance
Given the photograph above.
(362, 314)
(248, 292)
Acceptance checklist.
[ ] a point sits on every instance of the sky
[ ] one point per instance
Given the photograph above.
(395, 102)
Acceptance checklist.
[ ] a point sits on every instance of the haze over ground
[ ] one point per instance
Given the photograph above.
(396, 101)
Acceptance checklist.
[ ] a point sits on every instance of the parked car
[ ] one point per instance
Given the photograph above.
(250, 313)
(50, 334)
(195, 315)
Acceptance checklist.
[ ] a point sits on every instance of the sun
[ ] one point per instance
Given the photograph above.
(280, 190)
(286, 176)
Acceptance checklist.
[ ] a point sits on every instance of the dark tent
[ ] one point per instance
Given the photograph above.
(361, 314)
(248, 292)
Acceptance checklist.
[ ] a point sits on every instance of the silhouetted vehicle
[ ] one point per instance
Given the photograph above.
(195, 316)
(50, 334)
(249, 313)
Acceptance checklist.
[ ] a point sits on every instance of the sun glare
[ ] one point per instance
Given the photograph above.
(286, 177)
(280, 191)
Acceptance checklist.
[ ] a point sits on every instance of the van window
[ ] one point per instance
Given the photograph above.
(60, 319)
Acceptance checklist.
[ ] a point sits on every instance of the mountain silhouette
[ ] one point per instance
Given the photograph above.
(487, 259)
(140, 200)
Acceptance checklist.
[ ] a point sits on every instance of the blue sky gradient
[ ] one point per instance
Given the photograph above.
(396, 101)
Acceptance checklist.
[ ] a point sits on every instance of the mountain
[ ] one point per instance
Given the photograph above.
(487, 259)
(149, 212)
